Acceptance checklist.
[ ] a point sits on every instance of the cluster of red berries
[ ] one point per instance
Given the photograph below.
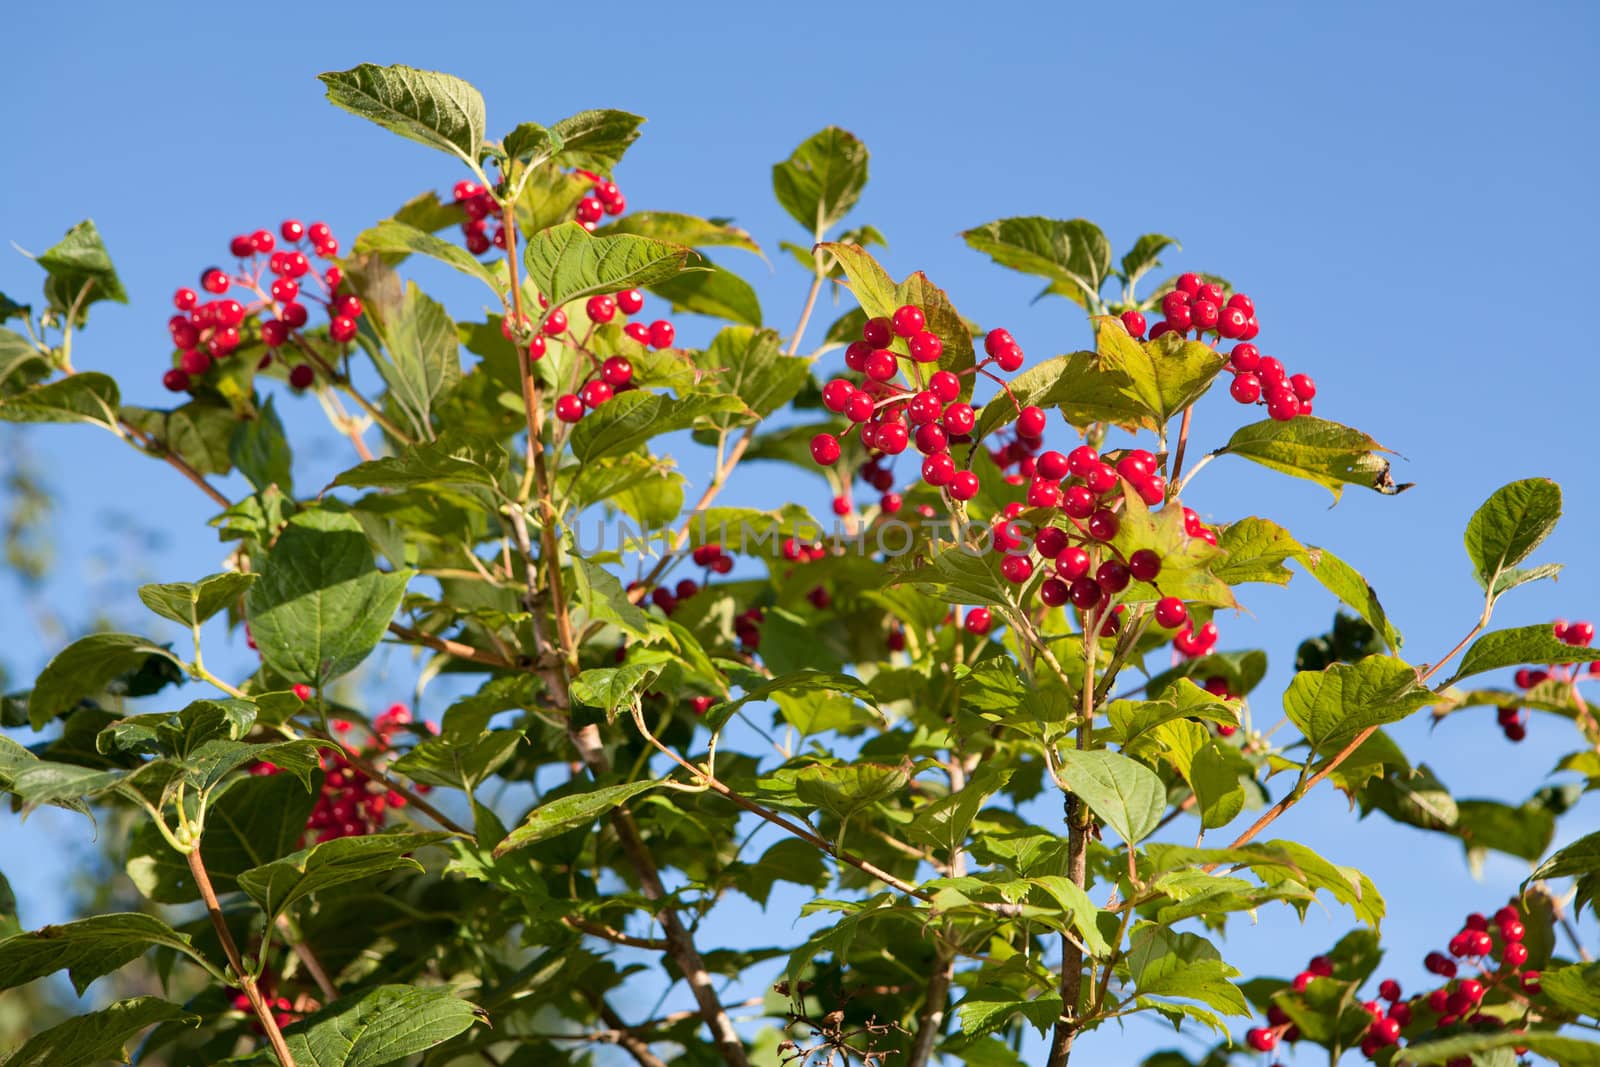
(283, 1012)
(483, 210)
(1197, 305)
(608, 377)
(351, 803)
(206, 331)
(1512, 720)
(1493, 945)
(931, 418)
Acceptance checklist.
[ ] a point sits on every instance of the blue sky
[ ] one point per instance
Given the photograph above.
(1405, 190)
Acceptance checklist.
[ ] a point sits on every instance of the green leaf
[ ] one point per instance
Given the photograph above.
(601, 596)
(88, 666)
(565, 263)
(571, 812)
(86, 949)
(960, 575)
(1142, 257)
(1168, 964)
(423, 355)
(250, 821)
(628, 420)
(805, 681)
(260, 450)
(989, 1008)
(748, 365)
(945, 822)
(1185, 561)
(430, 108)
(379, 1026)
(80, 272)
(680, 230)
(1214, 776)
(281, 884)
(530, 143)
(390, 237)
(715, 291)
(596, 140)
(1330, 707)
(1072, 254)
(1580, 861)
(1575, 988)
(1081, 385)
(192, 603)
(1566, 1051)
(1165, 375)
(843, 789)
(613, 688)
(86, 397)
(1519, 646)
(454, 459)
(321, 605)
(1127, 795)
(456, 764)
(21, 364)
(200, 432)
(99, 1036)
(822, 179)
(1513, 522)
(1318, 450)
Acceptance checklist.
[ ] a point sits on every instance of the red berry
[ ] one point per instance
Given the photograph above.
(1246, 388)
(617, 371)
(878, 332)
(569, 408)
(185, 299)
(1245, 357)
(978, 621)
(214, 281)
(1512, 930)
(1515, 955)
(701, 705)
(892, 438)
(194, 364)
(242, 246)
(1144, 565)
(629, 301)
(274, 333)
(926, 347)
(1136, 465)
(1112, 577)
(995, 339)
(602, 308)
(1171, 613)
(931, 439)
(959, 419)
(1532, 983)
(342, 329)
(1321, 966)
(881, 365)
(1016, 569)
(1580, 634)
(1180, 318)
(555, 323)
(1231, 322)
(1072, 563)
(859, 407)
(638, 331)
(1243, 303)
(1260, 1038)
(1102, 478)
(661, 334)
(349, 306)
(907, 320)
(293, 315)
(1085, 593)
(1189, 284)
(1050, 541)
(1389, 989)
(944, 385)
(1134, 323)
(1030, 422)
(964, 486)
(1204, 314)
(1103, 525)
(836, 394)
(1282, 405)
(301, 376)
(1010, 357)
(175, 380)
(1385, 1031)
(825, 449)
(594, 393)
(1054, 592)
(293, 231)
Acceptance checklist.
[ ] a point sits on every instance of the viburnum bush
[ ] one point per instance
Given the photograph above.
(967, 718)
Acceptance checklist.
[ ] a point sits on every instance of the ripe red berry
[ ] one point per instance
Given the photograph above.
(1072, 563)
(1010, 357)
(617, 371)
(1246, 388)
(1231, 322)
(1245, 357)
(1303, 386)
(944, 385)
(1385, 1031)
(1243, 303)
(1016, 569)
(1515, 954)
(569, 408)
(1085, 593)
(194, 363)
(892, 438)
(959, 419)
(274, 333)
(977, 621)
(1054, 592)
(1189, 283)
(301, 376)
(1103, 525)
(185, 299)
(293, 315)
(293, 231)
(1136, 465)
(907, 320)
(1282, 405)
(836, 394)
(1389, 989)
(926, 347)
(1101, 479)
(1180, 318)
(701, 705)
(1260, 1038)
(1203, 313)
(1031, 422)
(555, 323)
(175, 380)
(877, 332)
(1171, 613)
(1580, 634)
(662, 334)
(214, 281)
(242, 246)
(594, 393)
(1512, 930)
(859, 407)
(931, 439)
(995, 339)
(825, 449)
(1112, 577)
(629, 301)
(638, 331)
(342, 329)
(1050, 541)
(1144, 565)
(881, 365)
(964, 485)
(1134, 323)
(1532, 982)
(602, 308)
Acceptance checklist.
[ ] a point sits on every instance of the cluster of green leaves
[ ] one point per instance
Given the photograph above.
(920, 769)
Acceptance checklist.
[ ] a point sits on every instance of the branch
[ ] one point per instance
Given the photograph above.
(606, 933)
(247, 982)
